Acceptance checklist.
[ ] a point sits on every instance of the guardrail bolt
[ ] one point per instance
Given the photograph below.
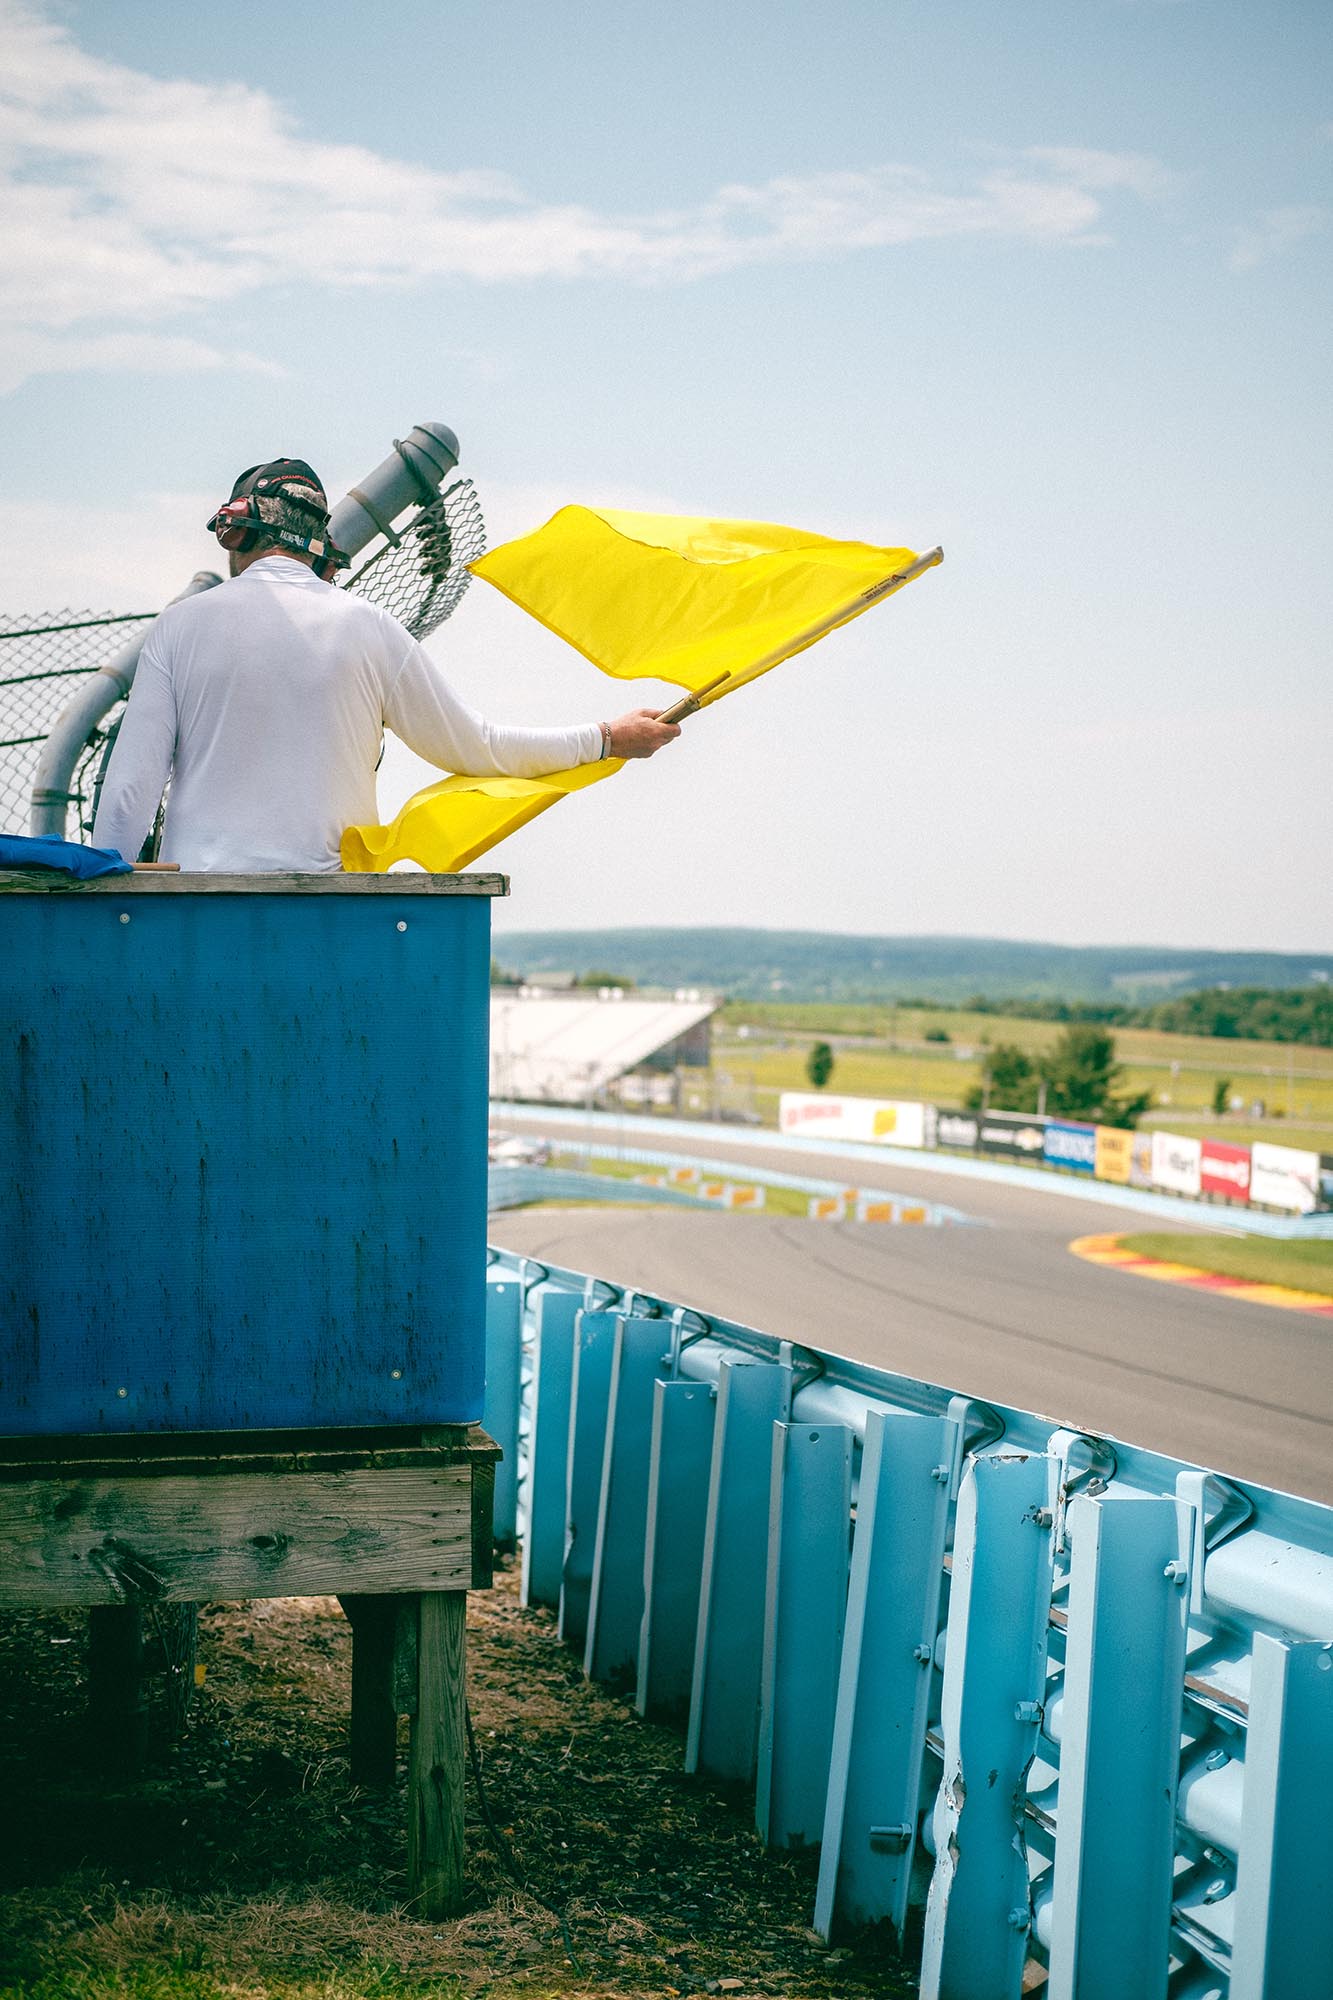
(925, 1654)
(1042, 1517)
(1018, 1920)
(892, 1839)
(1176, 1572)
(1215, 1760)
(1027, 1711)
(940, 1474)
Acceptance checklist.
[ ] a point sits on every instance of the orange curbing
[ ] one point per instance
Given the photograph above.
(1109, 1250)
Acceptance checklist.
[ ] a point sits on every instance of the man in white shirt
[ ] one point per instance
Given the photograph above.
(265, 701)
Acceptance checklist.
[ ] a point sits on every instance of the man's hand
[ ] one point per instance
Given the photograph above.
(639, 733)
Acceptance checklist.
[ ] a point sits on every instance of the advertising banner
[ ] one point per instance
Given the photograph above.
(1284, 1177)
(1073, 1147)
(1225, 1170)
(959, 1129)
(1140, 1160)
(1176, 1162)
(1012, 1132)
(885, 1121)
(1114, 1158)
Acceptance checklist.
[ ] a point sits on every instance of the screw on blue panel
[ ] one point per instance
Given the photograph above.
(1027, 1711)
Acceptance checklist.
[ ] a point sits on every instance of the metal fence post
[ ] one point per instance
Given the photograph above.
(1119, 1747)
(893, 1615)
(723, 1731)
(615, 1605)
(548, 1446)
(1283, 1946)
(977, 1911)
(809, 1535)
(590, 1394)
(673, 1552)
(499, 1415)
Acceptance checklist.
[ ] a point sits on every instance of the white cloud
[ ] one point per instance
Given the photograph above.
(26, 351)
(1274, 231)
(130, 200)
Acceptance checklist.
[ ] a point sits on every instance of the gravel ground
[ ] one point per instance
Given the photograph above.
(241, 1860)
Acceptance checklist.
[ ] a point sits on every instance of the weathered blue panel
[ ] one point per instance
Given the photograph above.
(243, 1147)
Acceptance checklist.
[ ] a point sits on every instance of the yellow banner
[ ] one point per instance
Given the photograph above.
(1114, 1154)
(673, 598)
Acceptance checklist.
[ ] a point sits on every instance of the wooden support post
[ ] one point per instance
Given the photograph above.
(117, 1713)
(374, 1740)
(437, 1756)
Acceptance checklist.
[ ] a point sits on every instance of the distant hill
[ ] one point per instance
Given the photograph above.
(826, 965)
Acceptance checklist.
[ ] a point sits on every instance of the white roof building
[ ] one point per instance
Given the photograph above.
(570, 1048)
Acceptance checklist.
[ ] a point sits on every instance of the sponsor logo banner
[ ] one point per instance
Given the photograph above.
(1071, 1146)
(1140, 1160)
(957, 1128)
(1012, 1132)
(1225, 1170)
(1114, 1158)
(876, 1120)
(1176, 1162)
(1284, 1177)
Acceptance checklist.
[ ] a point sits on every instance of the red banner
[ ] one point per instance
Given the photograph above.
(1225, 1170)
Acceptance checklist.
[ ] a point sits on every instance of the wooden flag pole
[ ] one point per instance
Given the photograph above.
(713, 690)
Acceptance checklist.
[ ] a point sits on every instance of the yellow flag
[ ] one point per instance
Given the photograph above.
(655, 596)
(671, 598)
(449, 824)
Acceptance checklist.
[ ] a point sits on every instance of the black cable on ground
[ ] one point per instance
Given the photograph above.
(505, 1851)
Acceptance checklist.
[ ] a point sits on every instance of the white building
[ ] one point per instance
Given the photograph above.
(576, 1048)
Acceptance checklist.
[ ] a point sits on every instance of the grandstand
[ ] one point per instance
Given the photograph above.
(588, 1047)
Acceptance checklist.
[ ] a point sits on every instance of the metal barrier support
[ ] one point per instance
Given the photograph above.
(1284, 1891)
(590, 1397)
(500, 1411)
(1133, 1767)
(680, 1455)
(888, 1661)
(810, 1499)
(722, 1739)
(548, 1446)
(615, 1605)
(1119, 1748)
(977, 1915)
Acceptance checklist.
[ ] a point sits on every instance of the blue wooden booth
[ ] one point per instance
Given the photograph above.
(242, 1257)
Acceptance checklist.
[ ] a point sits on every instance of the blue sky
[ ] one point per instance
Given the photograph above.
(1047, 283)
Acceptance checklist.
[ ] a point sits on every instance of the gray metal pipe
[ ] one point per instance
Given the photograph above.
(411, 476)
(78, 719)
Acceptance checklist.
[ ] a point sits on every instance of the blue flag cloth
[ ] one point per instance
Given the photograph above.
(45, 851)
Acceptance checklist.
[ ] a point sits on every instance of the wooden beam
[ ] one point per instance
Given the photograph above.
(135, 1540)
(374, 1738)
(436, 1761)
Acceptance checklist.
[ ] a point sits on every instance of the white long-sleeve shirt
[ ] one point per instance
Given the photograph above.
(265, 700)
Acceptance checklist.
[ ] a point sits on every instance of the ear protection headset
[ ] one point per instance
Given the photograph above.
(240, 527)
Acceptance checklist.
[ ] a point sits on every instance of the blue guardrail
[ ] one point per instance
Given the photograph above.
(1073, 1697)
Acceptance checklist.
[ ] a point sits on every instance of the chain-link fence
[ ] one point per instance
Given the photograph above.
(42, 661)
(418, 575)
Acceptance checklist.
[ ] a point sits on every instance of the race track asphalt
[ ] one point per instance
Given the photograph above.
(1002, 1312)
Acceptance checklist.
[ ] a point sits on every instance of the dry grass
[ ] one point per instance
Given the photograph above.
(242, 1862)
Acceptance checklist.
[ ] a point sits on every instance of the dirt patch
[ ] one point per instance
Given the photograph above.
(242, 1860)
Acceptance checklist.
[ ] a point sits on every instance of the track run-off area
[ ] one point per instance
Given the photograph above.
(1003, 1312)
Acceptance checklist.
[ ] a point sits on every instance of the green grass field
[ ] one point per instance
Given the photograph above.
(761, 1047)
(1306, 1267)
